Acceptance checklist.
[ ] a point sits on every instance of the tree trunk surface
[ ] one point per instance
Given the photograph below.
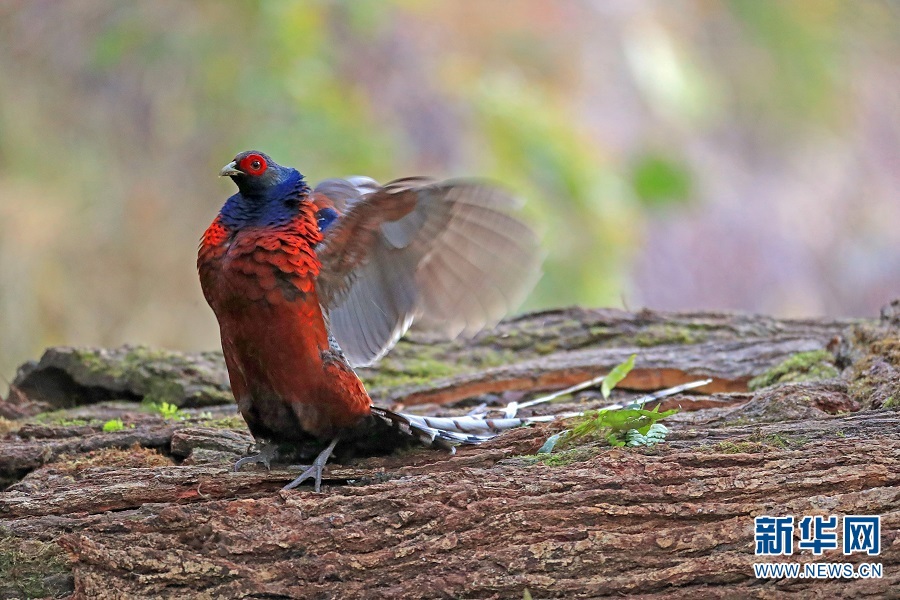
(110, 491)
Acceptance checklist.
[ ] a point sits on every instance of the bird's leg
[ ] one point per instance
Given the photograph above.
(267, 452)
(316, 469)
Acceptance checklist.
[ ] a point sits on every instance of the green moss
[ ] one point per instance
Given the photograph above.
(544, 348)
(235, 422)
(491, 358)
(565, 457)
(659, 334)
(430, 369)
(217, 395)
(759, 443)
(139, 356)
(413, 371)
(601, 331)
(874, 377)
(744, 447)
(124, 366)
(513, 340)
(93, 363)
(803, 366)
(138, 364)
(162, 391)
(778, 440)
(61, 418)
(775, 440)
(30, 568)
(156, 375)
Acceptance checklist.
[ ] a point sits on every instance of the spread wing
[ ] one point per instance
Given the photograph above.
(448, 255)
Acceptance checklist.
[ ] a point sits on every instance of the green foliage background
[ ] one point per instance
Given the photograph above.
(117, 116)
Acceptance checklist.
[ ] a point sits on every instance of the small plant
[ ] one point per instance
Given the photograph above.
(655, 435)
(166, 409)
(621, 426)
(113, 425)
(616, 425)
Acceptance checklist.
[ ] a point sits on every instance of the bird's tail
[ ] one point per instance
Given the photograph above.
(449, 432)
(476, 427)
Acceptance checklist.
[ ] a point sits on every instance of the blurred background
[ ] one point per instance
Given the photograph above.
(705, 154)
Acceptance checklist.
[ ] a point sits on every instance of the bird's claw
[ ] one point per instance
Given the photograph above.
(267, 453)
(315, 470)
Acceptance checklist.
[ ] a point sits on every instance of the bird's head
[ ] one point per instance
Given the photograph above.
(255, 173)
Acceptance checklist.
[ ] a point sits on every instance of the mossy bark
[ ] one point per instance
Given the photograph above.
(153, 510)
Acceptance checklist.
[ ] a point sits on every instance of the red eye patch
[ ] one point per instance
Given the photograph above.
(253, 164)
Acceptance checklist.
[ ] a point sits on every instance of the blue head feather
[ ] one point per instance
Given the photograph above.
(270, 199)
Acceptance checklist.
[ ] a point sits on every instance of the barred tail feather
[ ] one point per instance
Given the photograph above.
(449, 432)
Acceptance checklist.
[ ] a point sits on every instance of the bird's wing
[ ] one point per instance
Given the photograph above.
(449, 255)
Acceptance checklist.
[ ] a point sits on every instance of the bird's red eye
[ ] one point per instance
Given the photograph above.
(253, 164)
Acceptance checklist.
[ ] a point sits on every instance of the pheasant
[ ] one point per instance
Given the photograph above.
(308, 283)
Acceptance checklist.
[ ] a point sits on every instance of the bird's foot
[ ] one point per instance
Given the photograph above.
(267, 453)
(316, 469)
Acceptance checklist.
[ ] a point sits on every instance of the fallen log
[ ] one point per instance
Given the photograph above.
(153, 510)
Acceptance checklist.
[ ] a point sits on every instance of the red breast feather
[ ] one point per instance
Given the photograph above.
(260, 282)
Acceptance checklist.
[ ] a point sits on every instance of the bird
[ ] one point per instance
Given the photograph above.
(308, 283)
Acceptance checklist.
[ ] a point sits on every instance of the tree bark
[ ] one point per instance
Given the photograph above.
(153, 510)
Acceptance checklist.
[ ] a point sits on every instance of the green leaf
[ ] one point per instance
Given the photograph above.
(618, 373)
(551, 442)
(650, 436)
(613, 439)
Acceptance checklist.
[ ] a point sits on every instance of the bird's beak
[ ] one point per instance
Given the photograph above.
(230, 170)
